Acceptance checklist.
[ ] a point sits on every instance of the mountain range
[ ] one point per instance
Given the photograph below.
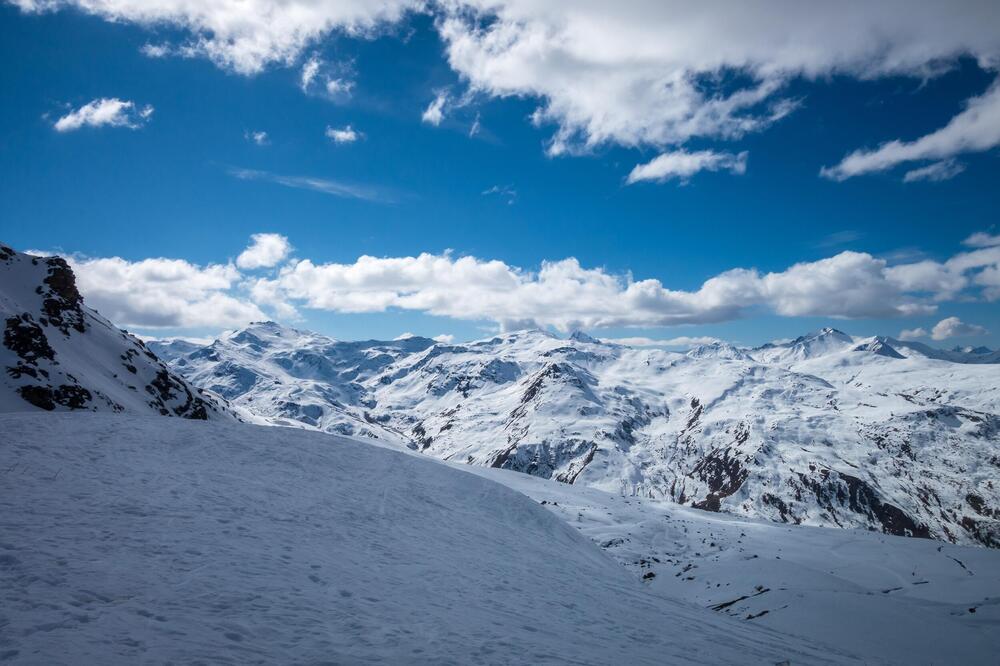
(360, 532)
(826, 429)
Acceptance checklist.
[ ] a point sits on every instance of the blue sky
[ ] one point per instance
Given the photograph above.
(188, 181)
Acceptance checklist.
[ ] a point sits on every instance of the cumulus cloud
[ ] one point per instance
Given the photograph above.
(106, 111)
(310, 68)
(634, 74)
(264, 251)
(343, 135)
(681, 165)
(654, 73)
(913, 333)
(434, 113)
(953, 327)
(566, 295)
(242, 36)
(163, 293)
(444, 338)
(259, 137)
(975, 129)
(332, 80)
(982, 239)
(562, 294)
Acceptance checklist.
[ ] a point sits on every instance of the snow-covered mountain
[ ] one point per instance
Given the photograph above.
(58, 354)
(824, 430)
(292, 377)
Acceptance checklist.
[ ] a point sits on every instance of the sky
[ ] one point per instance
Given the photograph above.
(654, 171)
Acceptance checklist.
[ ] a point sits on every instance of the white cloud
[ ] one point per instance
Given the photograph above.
(650, 74)
(156, 50)
(953, 327)
(444, 338)
(242, 35)
(323, 185)
(928, 276)
(320, 77)
(982, 239)
(561, 294)
(109, 111)
(264, 251)
(565, 295)
(912, 333)
(653, 73)
(163, 293)
(339, 87)
(310, 68)
(681, 165)
(975, 129)
(434, 113)
(505, 192)
(680, 341)
(343, 135)
(260, 137)
(935, 172)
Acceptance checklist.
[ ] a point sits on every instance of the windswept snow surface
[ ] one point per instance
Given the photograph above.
(826, 430)
(125, 541)
(889, 599)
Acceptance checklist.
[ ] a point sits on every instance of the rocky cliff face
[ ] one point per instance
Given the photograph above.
(57, 354)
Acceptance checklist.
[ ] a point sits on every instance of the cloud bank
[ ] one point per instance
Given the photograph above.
(561, 294)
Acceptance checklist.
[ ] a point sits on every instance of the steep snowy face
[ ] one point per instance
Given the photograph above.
(843, 433)
(59, 354)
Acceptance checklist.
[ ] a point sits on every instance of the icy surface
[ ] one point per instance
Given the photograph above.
(144, 540)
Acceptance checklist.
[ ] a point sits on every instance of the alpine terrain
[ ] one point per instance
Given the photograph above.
(825, 430)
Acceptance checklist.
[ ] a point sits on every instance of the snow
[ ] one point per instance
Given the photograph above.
(825, 430)
(129, 539)
(889, 599)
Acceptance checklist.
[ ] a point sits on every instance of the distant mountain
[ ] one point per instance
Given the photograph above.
(58, 354)
(823, 430)
(291, 377)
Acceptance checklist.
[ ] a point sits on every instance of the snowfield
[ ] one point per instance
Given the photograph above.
(891, 599)
(127, 541)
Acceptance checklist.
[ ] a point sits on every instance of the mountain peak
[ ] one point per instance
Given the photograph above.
(580, 336)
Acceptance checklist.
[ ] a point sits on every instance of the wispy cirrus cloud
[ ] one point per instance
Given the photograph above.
(336, 188)
(975, 129)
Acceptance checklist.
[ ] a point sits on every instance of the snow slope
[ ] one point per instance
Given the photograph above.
(124, 541)
(59, 354)
(889, 599)
(826, 430)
